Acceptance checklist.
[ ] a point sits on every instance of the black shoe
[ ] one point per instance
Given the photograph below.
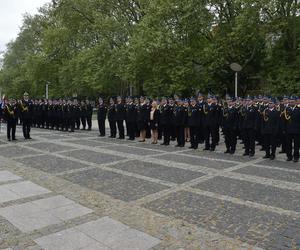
(212, 149)
(206, 149)
(167, 144)
(29, 137)
(289, 159)
(195, 148)
(227, 151)
(14, 139)
(245, 154)
(282, 152)
(176, 146)
(266, 157)
(272, 157)
(296, 160)
(251, 154)
(8, 139)
(232, 152)
(181, 146)
(191, 147)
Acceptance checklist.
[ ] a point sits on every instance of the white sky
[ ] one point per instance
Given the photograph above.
(11, 16)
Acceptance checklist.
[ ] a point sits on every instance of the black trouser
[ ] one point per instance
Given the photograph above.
(283, 142)
(130, 126)
(11, 129)
(121, 130)
(180, 135)
(89, 122)
(249, 140)
(101, 126)
(173, 132)
(71, 124)
(83, 121)
(113, 128)
(270, 144)
(200, 135)
(230, 139)
(26, 128)
(166, 133)
(77, 121)
(211, 132)
(194, 137)
(290, 140)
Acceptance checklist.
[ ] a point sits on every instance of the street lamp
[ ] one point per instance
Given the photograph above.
(236, 68)
(47, 90)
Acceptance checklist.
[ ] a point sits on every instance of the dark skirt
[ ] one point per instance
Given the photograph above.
(142, 125)
(153, 125)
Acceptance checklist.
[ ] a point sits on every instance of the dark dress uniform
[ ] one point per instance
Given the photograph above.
(270, 121)
(194, 124)
(89, 115)
(111, 115)
(292, 116)
(249, 127)
(10, 115)
(101, 116)
(180, 116)
(166, 114)
(50, 116)
(201, 132)
(83, 115)
(131, 116)
(230, 127)
(26, 108)
(211, 125)
(120, 117)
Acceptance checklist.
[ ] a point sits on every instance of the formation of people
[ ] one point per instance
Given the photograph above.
(269, 122)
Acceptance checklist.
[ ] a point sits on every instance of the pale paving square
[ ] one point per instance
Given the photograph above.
(15, 191)
(6, 176)
(104, 233)
(41, 213)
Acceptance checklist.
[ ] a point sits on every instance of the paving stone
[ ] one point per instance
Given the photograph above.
(271, 173)
(53, 136)
(51, 164)
(117, 235)
(219, 156)
(94, 157)
(102, 229)
(233, 220)
(15, 151)
(50, 147)
(8, 176)
(255, 192)
(131, 239)
(20, 190)
(69, 239)
(90, 143)
(41, 213)
(133, 150)
(159, 147)
(281, 164)
(196, 161)
(157, 171)
(116, 185)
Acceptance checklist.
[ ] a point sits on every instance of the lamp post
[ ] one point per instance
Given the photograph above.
(47, 90)
(236, 68)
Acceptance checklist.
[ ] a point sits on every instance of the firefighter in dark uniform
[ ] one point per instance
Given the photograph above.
(26, 109)
(10, 112)
(111, 115)
(270, 122)
(194, 123)
(180, 116)
(165, 121)
(211, 124)
(131, 117)
(83, 114)
(292, 129)
(89, 114)
(101, 116)
(120, 117)
(172, 106)
(249, 127)
(230, 125)
(50, 115)
(200, 103)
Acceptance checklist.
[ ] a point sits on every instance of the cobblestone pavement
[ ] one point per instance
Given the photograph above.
(80, 191)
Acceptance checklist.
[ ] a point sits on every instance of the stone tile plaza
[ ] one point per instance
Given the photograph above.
(80, 191)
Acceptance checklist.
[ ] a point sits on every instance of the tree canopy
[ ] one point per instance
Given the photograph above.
(155, 47)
